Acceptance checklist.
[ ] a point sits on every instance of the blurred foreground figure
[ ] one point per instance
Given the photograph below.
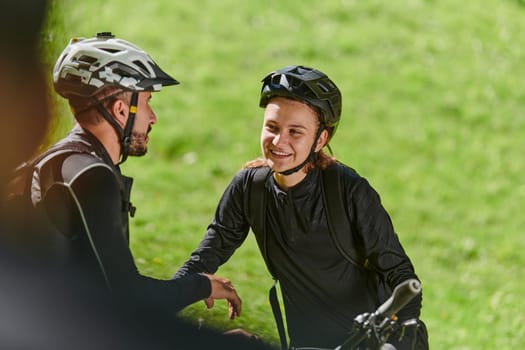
(23, 87)
(39, 306)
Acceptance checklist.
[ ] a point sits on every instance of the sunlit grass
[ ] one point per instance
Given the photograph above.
(433, 116)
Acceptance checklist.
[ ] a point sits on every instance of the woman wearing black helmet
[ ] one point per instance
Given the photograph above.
(283, 199)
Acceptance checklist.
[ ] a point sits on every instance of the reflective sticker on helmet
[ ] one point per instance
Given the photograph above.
(130, 83)
(109, 75)
(96, 82)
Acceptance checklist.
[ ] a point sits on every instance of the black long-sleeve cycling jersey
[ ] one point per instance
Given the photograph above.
(322, 291)
(87, 199)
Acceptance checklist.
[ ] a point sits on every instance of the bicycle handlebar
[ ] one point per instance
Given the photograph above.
(402, 294)
(376, 324)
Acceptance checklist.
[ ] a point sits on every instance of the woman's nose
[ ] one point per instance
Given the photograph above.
(277, 139)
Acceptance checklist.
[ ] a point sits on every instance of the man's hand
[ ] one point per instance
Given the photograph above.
(222, 288)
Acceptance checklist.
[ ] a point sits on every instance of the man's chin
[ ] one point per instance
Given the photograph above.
(138, 152)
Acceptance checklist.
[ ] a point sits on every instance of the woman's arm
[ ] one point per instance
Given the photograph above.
(225, 234)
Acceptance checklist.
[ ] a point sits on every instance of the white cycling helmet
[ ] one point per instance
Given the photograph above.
(88, 65)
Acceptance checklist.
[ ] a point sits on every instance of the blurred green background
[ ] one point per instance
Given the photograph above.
(433, 117)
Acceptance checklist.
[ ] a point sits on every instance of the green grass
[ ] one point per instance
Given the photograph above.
(433, 116)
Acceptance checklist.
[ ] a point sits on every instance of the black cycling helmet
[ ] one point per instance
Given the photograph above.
(88, 65)
(305, 84)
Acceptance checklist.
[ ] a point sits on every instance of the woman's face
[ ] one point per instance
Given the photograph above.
(288, 133)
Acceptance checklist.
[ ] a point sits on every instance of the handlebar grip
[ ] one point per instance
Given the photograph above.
(402, 294)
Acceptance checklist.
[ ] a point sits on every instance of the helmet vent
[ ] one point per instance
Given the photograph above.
(87, 59)
(72, 78)
(294, 83)
(142, 66)
(323, 87)
(111, 50)
(123, 72)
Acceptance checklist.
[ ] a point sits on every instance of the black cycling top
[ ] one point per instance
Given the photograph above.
(86, 198)
(322, 291)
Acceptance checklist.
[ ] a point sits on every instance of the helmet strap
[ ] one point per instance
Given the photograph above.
(109, 118)
(123, 134)
(311, 157)
(128, 129)
(330, 149)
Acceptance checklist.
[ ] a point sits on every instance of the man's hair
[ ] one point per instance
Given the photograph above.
(84, 108)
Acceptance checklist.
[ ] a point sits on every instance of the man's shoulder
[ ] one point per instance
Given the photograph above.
(78, 164)
(67, 164)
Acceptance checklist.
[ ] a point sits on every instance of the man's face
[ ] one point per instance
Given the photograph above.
(144, 119)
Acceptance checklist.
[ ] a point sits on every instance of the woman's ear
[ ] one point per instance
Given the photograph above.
(322, 140)
(119, 110)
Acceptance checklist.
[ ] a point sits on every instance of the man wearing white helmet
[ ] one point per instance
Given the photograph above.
(108, 83)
